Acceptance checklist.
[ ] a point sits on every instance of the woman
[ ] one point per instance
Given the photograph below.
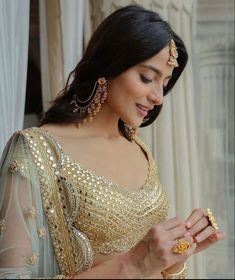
(80, 197)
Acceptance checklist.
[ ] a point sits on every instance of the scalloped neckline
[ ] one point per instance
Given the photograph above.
(92, 173)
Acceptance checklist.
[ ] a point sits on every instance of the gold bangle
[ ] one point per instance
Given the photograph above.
(179, 275)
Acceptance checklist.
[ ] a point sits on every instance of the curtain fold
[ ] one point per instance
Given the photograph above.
(51, 50)
(72, 26)
(214, 101)
(62, 41)
(14, 38)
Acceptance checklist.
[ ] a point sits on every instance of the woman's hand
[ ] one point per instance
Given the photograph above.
(155, 252)
(200, 228)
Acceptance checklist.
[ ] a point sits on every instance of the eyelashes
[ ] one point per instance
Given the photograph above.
(144, 79)
(147, 81)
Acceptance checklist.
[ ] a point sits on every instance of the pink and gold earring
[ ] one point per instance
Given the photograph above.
(92, 105)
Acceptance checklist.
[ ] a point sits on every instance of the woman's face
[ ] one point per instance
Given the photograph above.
(138, 89)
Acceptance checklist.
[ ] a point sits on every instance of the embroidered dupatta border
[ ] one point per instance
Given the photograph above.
(62, 240)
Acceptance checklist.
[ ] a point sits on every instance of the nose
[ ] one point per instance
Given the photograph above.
(156, 96)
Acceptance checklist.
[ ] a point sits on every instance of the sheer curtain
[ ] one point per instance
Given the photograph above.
(214, 101)
(72, 23)
(61, 44)
(14, 32)
(51, 50)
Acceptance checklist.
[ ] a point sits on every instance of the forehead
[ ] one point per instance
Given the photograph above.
(160, 61)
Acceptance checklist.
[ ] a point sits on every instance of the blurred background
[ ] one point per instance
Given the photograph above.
(41, 41)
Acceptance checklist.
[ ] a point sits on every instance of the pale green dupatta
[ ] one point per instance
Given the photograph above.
(35, 240)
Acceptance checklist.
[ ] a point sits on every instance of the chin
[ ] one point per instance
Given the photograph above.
(135, 124)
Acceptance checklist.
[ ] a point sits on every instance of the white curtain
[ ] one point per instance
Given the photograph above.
(214, 101)
(51, 50)
(45, 77)
(72, 22)
(14, 33)
(61, 43)
(172, 137)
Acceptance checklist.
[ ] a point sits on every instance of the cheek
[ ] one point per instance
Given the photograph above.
(127, 87)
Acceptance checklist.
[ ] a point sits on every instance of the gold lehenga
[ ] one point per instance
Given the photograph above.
(83, 213)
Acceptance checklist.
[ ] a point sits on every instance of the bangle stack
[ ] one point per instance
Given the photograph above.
(179, 275)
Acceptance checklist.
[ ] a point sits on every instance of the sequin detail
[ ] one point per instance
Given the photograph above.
(14, 167)
(89, 212)
(42, 232)
(113, 218)
(32, 213)
(33, 259)
(69, 251)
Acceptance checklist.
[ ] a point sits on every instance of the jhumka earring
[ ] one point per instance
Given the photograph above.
(173, 54)
(92, 105)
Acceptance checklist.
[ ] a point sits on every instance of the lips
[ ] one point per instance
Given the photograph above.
(146, 108)
(143, 110)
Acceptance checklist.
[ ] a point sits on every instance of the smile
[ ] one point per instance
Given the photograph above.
(142, 110)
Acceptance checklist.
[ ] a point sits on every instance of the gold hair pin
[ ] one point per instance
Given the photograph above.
(173, 54)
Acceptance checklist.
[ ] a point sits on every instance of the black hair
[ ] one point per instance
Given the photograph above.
(124, 39)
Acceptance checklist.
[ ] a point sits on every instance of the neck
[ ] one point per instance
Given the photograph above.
(104, 124)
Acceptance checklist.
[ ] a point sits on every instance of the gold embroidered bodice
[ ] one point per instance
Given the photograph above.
(111, 217)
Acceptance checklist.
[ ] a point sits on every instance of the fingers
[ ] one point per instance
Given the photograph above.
(176, 224)
(189, 239)
(173, 222)
(210, 232)
(220, 235)
(194, 217)
(204, 234)
(198, 226)
(177, 232)
(190, 251)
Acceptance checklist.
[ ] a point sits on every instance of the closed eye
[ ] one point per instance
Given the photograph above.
(144, 79)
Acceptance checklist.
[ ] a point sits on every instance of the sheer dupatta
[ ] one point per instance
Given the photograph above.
(26, 250)
(37, 238)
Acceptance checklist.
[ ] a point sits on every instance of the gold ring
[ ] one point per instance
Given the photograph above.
(181, 247)
(211, 219)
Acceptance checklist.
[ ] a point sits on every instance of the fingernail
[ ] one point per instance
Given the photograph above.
(188, 225)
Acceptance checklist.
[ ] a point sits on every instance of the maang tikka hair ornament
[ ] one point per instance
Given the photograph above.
(173, 54)
(92, 105)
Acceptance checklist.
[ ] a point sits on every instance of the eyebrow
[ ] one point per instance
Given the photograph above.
(159, 72)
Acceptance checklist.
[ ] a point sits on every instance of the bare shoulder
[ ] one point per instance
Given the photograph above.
(62, 130)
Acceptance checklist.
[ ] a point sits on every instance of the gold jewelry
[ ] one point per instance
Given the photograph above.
(173, 54)
(181, 247)
(211, 219)
(131, 131)
(92, 105)
(179, 275)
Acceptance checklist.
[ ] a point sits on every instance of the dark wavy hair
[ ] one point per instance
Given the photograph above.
(124, 39)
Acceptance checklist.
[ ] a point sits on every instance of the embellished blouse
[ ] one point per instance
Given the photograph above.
(55, 214)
